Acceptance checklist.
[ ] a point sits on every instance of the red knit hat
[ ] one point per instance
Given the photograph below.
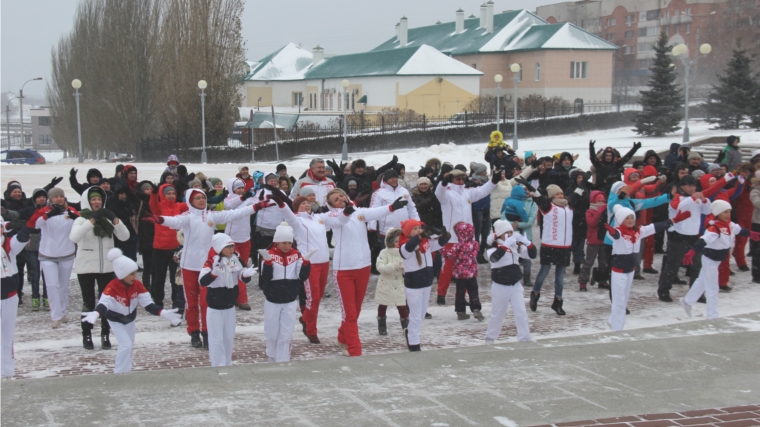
(297, 203)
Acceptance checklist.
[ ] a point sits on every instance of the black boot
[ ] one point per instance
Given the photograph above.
(204, 335)
(557, 306)
(87, 340)
(105, 341)
(195, 340)
(441, 300)
(534, 300)
(577, 268)
(382, 329)
(664, 296)
(404, 322)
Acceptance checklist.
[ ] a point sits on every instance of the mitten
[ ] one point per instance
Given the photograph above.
(610, 229)
(263, 204)
(247, 195)
(218, 270)
(172, 316)
(649, 180)
(90, 317)
(398, 204)
(348, 209)
(72, 214)
(153, 219)
(755, 236)
(497, 176)
(688, 259)
(250, 271)
(265, 254)
(73, 172)
(578, 191)
(55, 210)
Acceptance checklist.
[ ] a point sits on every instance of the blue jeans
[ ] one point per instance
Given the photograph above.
(579, 244)
(34, 273)
(559, 278)
(481, 222)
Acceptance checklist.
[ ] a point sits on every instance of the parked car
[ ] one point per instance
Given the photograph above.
(121, 158)
(22, 157)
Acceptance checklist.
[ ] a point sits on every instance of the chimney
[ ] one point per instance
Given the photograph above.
(460, 21)
(489, 17)
(318, 55)
(483, 15)
(397, 32)
(403, 32)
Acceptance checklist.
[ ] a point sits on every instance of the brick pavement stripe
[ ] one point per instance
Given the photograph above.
(577, 423)
(665, 416)
(737, 416)
(740, 423)
(654, 423)
(741, 408)
(700, 420)
(616, 425)
(700, 412)
(617, 420)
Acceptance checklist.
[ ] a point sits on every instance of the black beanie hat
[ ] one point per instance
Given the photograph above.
(390, 173)
(687, 180)
(281, 167)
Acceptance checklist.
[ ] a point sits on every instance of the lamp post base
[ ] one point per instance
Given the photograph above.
(203, 157)
(686, 134)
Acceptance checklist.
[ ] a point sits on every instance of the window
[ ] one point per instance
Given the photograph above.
(538, 72)
(628, 50)
(578, 70)
(628, 35)
(43, 121)
(653, 15)
(642, 32)
(642, 16)
(475, 66)
(519, 74)
(687, 11)
(645, 63)
(46, 139)
(610, 36)
(687, 28)
(297, 98)
(676, 29)
(649, 31)
(611, 22)
(667, 14)
(630, 19)
(645, 47)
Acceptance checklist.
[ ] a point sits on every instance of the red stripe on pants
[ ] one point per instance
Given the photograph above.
(244, 250)
(314, 291)
(195, 302)
(724, 272)
(352, 286)
(444, 278)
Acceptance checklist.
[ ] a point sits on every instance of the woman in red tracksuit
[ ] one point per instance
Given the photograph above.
(742, 211)
(646, 217)
(163, 202)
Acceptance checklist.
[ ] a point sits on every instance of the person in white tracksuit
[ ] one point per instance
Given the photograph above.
(715, 244)
(220, 275)
(626, 243)
(506, 273)
(284, 271)
(57, 251)
(11, 246)
(240, 231)
(118, 304)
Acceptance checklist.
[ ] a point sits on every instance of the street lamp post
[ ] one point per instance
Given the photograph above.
(202, 86)
(258, 104)
(8, 120)
(76, 84)
(21, 108)
(498, 78)
(683, 51)
(345, 84)
(515, 69)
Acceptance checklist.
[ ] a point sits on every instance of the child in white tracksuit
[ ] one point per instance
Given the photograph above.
(9, 305)
(220, 275)
(714, 245)
(118, 304)
(506, 288)
(417, 250)
(283, 272)
(626, 243)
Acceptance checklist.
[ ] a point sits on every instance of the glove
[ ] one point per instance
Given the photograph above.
(172, 316)
(97, 215)
(265, 254)
(688, 259)
(155, 189)
(637, 145)
(395, 159)
(278, 196)
(55, 181)
(680, 216)
(729, 177)
(755, 236)
(250, 271)
(73, 172)
(535, 194)
(153, 219)
(446, 180)
(535, 163)
(497, 176)
(218, 270)
(520, 180)
(106, 213)
(90, 317)
(307, 256)
(591, 144)
(247, 195)
(348, 209)
(663, 178)
(263, 204)
(578, 191)
(610, 229)
(55, 210)
(649, 179)
(72, 214)
(398, 204)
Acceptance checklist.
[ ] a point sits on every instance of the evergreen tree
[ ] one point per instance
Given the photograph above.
(663, 102)
(734, 99)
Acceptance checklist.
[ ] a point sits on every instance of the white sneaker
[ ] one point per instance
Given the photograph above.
(56, 324)
(686, 306)
(489, 342)
(65, 319)
(343, 348)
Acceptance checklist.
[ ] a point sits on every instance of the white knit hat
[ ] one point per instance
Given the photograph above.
(500, 227)
(621, 213)
(122, 266)
(283, 233)
(221, 241)
(720, 206)
(241, 167)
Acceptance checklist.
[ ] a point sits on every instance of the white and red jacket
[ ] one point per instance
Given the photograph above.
(320, 187)
(718, 238)
(55, 243)
(267, 218)
(385, 196)
(456, 203)
(198, 227)
(505, 258)
(11, 248)
(239, 229)
(626, 243)
(283, 274)
(222, 293)
(119, 302)
(691, 225)
(351, 247)
(558, 227)
(418, 274)
(310, 232)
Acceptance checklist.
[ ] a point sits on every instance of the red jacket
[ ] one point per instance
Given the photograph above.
(592, 219)
(164, 237)
(248, 181)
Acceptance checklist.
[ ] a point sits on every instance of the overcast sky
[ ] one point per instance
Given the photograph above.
(30, 28)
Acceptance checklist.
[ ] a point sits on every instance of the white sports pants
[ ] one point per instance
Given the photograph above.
(279, 323)
(417, 300)
(621, 289)
(57, 278)
(501, 298)
(221, 334)
(706, 283)
(8, 310)
(125, 335)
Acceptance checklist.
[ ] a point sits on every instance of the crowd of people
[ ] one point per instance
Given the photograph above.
(213, 238)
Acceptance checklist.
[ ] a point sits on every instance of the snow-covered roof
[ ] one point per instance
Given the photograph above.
(287, 63)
